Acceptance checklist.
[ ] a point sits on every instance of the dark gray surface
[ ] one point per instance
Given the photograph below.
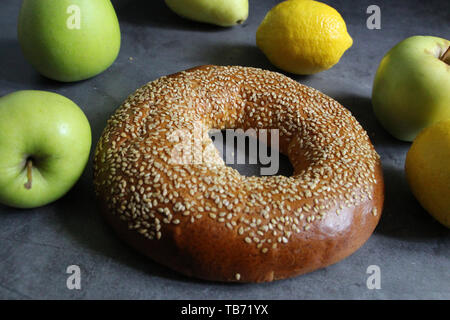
(36, 246)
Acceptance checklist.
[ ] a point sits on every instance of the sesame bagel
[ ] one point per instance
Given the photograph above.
(203, 218)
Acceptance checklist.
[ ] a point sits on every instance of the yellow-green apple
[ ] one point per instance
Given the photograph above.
(69, 40)
(45, 140)
(411, 89)
(225, 13)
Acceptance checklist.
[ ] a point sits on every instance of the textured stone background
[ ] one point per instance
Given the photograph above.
(36, 246)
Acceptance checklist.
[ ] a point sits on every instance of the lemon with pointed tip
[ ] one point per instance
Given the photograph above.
(303, 36)
(428, 170)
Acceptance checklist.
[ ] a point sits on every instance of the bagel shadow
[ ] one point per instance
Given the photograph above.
(157, 14)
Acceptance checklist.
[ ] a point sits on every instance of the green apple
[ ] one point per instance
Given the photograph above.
(69, 40)
(411, 89)
(45, 140)
(225, 13)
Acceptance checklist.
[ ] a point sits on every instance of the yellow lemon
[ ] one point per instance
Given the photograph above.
(303, 36)
(428, 170)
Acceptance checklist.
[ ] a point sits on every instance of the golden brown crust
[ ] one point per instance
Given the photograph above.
(205, 219)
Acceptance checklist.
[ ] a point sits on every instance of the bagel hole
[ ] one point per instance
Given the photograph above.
(248, 155)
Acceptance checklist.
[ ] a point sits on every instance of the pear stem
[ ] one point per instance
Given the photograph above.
(446, 56)
(29, 166)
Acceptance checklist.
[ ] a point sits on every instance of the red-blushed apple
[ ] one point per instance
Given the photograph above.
(69, 40)
(45, 140)
(411, 90)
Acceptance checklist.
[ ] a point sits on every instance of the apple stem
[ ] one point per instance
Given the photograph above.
(29, 174)
(446, 56)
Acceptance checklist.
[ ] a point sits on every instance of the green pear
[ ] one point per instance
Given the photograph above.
(69, 40)
(225, 13)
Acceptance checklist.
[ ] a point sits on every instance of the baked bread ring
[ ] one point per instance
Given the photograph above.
(206, 220)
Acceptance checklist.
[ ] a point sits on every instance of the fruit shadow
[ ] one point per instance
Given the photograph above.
(403, 217)
(14, 69)
(13, 66)
(156, 14)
